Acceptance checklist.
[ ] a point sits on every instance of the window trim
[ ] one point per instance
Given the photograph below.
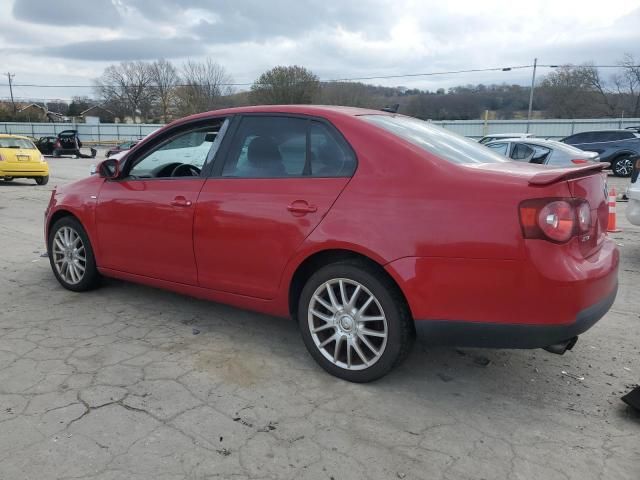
(225, 147)
(167, 136)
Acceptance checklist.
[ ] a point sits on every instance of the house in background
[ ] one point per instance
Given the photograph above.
(34, 112)
(99, 114)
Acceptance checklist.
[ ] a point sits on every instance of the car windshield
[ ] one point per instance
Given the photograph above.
(436, 140)
(9, 142)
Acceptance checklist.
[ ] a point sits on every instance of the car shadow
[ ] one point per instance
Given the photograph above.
(446, 376)
(17, 183)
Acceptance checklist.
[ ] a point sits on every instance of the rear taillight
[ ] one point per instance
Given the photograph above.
(554, 219)
(579, 161)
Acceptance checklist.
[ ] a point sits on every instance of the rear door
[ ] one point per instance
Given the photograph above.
(274, 181)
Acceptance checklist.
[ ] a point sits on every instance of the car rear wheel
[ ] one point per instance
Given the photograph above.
(8, 179)
(71, 256)
(42, 180)
(622, 166)
(354, 321)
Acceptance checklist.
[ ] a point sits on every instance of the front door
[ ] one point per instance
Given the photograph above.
(145, 219)
(279, 178)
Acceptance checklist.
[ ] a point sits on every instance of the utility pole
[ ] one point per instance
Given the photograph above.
(10, 77)
(533, 84)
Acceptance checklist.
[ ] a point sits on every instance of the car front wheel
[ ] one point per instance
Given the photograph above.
(622, 166)
(354, 321)
(71, 256)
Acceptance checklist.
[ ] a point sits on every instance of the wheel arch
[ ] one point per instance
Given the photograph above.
(319, 259)
(57, 215)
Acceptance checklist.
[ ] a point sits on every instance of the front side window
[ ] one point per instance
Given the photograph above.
(282, 147)
(436, 140)
(184, 155)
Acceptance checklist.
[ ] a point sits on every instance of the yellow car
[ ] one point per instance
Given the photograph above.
(19, 158)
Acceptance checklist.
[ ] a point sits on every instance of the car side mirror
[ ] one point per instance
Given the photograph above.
(109, 168)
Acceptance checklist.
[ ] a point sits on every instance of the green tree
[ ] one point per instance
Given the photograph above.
(285, 85)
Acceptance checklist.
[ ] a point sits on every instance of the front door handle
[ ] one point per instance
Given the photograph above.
(301, 206)
(180, 202)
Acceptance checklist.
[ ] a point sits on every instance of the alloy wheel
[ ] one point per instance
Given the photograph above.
(69, 255)
(347, 324)
(624, 167)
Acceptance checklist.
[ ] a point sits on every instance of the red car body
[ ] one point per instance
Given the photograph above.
(450, 235)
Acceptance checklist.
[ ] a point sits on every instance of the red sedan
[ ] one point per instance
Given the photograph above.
(364, 226)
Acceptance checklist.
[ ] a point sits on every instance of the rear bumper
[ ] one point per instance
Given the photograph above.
(23, 173)
(496, 335)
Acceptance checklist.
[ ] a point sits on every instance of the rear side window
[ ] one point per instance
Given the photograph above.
(521, 152)
(436, 140)
(281, 147)
(620, 136)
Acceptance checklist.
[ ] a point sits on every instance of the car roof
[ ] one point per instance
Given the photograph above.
(509, 135)
(319, 110)
(606, 130)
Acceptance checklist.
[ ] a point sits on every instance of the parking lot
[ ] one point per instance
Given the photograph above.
(130, 382)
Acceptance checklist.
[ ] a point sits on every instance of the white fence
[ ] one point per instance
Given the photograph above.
(100, 132)
(111, 132)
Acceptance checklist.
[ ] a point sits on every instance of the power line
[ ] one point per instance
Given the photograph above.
(346, 79)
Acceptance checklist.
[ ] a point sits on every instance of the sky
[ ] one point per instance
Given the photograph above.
(70, 42)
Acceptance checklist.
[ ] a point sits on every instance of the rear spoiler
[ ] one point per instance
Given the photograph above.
(558, 174)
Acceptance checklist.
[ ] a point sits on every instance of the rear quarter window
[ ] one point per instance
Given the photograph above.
(438, 141)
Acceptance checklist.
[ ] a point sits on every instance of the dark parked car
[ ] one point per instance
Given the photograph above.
(617, 147)
(46, 145)
(68, 143)
(123, 147)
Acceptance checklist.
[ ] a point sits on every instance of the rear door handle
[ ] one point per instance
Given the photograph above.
(301, 206)
(180, 202)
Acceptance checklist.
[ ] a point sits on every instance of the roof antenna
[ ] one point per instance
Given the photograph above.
(391, 108)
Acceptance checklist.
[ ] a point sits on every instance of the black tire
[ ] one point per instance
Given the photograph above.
(8, 179)
(42, 180)
(56, 153)
(400, 328)
(91, 278)
(622, 166)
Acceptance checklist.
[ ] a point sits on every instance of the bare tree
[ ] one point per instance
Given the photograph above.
(628, 82)
(164, 77)
(593, 80)
(127, 88)
(202, 86)
(285, 85)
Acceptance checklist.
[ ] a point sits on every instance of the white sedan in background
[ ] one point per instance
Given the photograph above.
(541, 151)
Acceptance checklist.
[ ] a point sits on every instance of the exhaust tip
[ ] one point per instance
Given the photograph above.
(561, 347)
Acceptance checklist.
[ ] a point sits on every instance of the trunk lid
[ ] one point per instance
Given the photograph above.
(586, 182)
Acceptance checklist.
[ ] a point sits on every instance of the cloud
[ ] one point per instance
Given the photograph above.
(67, 12)
(125, 49)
